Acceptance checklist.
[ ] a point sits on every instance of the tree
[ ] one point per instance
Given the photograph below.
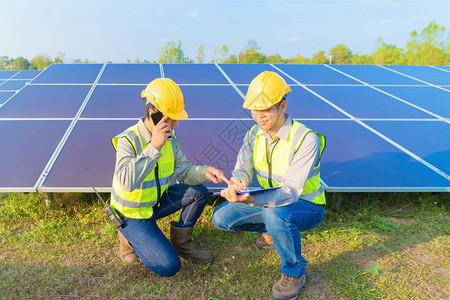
(20, 63)
(274, 59)
(319, 58)
(220, 54)
(200, 54)
(428, 48)
(387, 54)
(251, 54)
(41, 61)
(59, 58)
(232, 59)
(340, 54)
(137, 61)
(5, 63)
(172, 52)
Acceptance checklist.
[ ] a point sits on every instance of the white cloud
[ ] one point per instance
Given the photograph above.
(292, 39)
(192, 14)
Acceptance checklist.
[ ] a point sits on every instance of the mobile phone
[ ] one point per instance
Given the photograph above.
(156, 117)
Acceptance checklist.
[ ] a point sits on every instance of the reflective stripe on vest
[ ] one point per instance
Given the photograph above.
(138, 204)
(271, 167)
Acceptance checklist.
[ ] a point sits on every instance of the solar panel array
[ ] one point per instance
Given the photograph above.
(387, 127)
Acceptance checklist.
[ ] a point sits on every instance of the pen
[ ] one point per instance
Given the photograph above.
(232, 173)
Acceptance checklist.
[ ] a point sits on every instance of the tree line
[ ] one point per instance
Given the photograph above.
(430, 47)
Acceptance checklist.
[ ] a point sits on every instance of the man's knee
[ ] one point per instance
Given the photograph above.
(202, 193)
(219, 217)
(169, 269)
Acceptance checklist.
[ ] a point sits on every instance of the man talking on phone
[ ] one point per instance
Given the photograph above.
(148, 155)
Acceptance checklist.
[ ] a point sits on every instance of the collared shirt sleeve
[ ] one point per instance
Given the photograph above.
(293, 182)
(131, 169)
(186, 172)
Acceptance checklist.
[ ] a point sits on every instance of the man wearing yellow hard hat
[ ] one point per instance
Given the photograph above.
(285, 154)
(147, 156)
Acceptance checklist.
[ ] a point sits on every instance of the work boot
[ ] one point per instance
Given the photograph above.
(180, 237)
(126, 252)
(288, 287)
(264, 242)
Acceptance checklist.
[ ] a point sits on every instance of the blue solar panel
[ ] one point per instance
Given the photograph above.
(115, 102)
(365, 102)
(430, 98)
(194, 74)
(375, 75)
(356, 157)
(429, 140)
(27, 147)
(27, 74)
(213, 102)
(304, 104)
(130, 73)
(212, 142)
(88, 154)
(12, 85)
(316, 74)
(426, 73)
(244, 73)
(74, 74)
(7, 74)
(4, 96)
(45, 102)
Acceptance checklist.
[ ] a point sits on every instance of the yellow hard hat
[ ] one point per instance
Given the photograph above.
(265, 90)
(166, 95)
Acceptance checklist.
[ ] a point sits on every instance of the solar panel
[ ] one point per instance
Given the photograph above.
(365, 102)
(425, 73)
(27, 145)
(69, 74)
(7, 74)
(130, 73)
(386, 126)
(244, 73)
(13, 85)
(37, 101)
(315, 74)
(4, 96)
(194, 74)
(375, 75)
(429, 98)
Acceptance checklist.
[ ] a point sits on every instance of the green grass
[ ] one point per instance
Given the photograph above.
(370, 246)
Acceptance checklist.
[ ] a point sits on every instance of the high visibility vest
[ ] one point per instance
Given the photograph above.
(138, 204)
(271, 167)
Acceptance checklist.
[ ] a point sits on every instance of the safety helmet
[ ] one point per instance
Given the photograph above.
(265, 90)
(166, 95)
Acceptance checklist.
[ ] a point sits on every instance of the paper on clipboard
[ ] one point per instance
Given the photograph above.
(250, 191)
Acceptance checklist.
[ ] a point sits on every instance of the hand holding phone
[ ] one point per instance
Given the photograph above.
(161, 132)
(156, 117)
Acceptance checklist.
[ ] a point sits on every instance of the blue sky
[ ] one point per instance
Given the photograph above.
(113, 30)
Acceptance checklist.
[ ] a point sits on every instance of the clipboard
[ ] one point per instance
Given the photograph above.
(250, 191)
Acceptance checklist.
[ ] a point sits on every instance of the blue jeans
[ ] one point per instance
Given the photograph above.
(282, 223)
(148, 241)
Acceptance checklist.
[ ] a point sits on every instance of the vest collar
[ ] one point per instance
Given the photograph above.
(146, 136)
(283, 133)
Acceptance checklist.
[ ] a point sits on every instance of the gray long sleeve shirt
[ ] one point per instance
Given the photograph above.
(295, 177)
(131, 169)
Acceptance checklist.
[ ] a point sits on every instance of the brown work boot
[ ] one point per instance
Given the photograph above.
(180, 237)
(126, 252)
(264, 242)
(288, 287)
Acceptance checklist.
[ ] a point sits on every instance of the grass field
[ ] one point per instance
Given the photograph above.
(370, 246)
